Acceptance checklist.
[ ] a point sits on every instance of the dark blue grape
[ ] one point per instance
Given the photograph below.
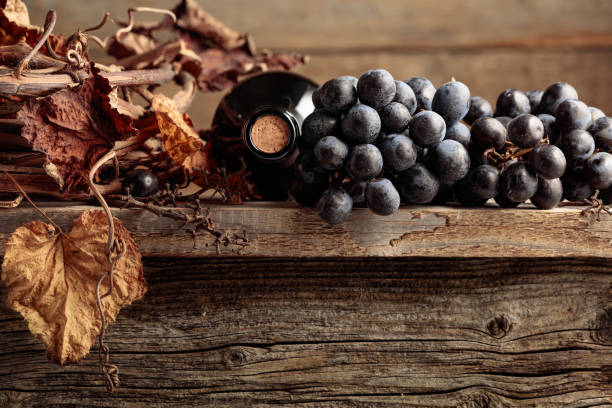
(526, 130)
(512, 103)
(424, 91)
(399, 152)
(596, 113)
(465, 197)
(307, 194)
(334, 206)
(549, 193)
(548, 160)
(364, 162)
(452, 101)
(338, 95)
(479, 108)
(446, 194)
(361, 124)
(601, 130)
(418, 185)
(504, 120)
(331, 152)
(598, 170)
(519, 182)
(573, 114)
(550, 129)
(606, 196)
(577, 145)
(316, 98)
(535, 97)
(458, 132)
(317, 125)
(484, 182)
(554, 95)
(353, 80)
(357, 193)
(449, 160)
(505, 202)
(140, 183)
(487, 133)
(376, 88)
(394, 117)
(382, 197)
(575, 186)
(405, 95)
(308, 169)
(427, 128)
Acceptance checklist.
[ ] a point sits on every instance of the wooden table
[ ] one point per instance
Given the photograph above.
(431, 307)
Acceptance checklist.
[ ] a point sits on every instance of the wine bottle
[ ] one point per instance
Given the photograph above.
(260, 121)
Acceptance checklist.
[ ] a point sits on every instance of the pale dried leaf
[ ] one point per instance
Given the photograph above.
(52, 282)
(17, 12)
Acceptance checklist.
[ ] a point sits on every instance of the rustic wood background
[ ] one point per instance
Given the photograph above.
(490, 45)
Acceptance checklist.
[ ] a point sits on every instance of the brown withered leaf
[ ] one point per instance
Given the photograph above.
(16, 11)
(180, 140)
(52, 279)
(12, 32)
(75, 128)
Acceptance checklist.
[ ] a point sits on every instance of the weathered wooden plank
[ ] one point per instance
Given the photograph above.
(288, 230)
(375, 24)
(342, 333)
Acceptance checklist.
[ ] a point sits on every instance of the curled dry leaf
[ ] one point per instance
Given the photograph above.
(16, 10)
(12, 31)
(180, 140)
(52, 279)
(74, 128)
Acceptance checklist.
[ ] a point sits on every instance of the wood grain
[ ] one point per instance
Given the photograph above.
(431, 332)
(288, 230)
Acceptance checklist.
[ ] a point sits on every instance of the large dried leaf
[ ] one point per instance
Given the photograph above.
(52, 281)
(16, 10)
(180, 140)
(12, 31)
(74, 127)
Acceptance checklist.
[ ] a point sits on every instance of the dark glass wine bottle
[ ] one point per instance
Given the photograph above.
(260, 121)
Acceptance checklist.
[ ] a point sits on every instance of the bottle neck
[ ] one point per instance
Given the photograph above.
(270, 134)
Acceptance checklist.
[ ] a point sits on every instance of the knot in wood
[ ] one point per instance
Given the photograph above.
(602, 327)
(499, 326)
(238, 356)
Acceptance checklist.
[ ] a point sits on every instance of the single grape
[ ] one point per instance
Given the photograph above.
(394, 117)
(399, 152)
(418, 185)
(550, 129)
(554, 95)
(484, 182)
(317, 125)
(505, 202)
(140, 183)
(519, 182)
(596, 113)
(338, 95)
(364, 162)
(449, 160)
(526, 130)
(549, 193)
(334, 206)
(459, 132)
(601, 130)
(382, 197)
(465, 197)
(548, 160)
(573, 114)
(331, 152)
(487, 133)
(357, 193)
(446, 194)
(405, 95)
(361, 124)
(424, 91)
(452, 101)
(307, 194)
(535, 97)
(427, 128)
(308, 169)
(504, 120)
(577, 145)
(512, 103)
(376, 88)
(575, 186)
(353, 80)
(479, 108)
(598, 170)
(606, 196)
(316, 98)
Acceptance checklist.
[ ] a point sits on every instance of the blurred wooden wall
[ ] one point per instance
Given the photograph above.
(489, 45)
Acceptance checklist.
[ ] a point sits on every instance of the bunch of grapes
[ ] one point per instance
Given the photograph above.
(376, 142)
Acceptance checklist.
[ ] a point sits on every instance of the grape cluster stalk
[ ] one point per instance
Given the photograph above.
(377, 142)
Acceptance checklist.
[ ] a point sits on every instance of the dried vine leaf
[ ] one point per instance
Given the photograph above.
(52, 279)
(16, 10)
(180, 140)
(74, 128)
(13, 31)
